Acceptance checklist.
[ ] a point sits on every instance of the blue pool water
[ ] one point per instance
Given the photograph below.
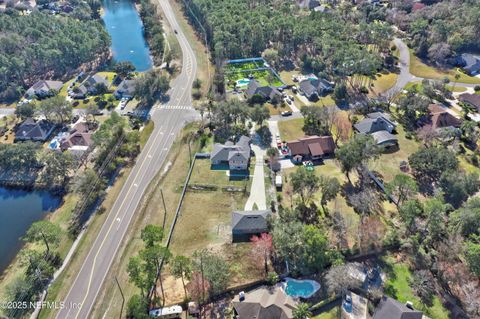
(126, 30)
(243, 82)
(301, 288)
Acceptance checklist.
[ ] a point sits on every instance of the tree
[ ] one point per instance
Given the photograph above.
(423, 286)
(339, 279)
(304, 183)
(198, 287)
(330, 186)
(56, 109)
(181, 267)
(317, 121)
(343, 127)
(466, 219)
(409, 211)
(315, 255)
(262, 248)
(124, 68)
(151, 234)
(429, 164)
(302, 311)
(458, 186)
(412, 108)
(197, 84)
(57, 167)
(24, 111)
(45, 231)
(402, 188)
(213, 268)
(151, 86)
(472, 254)
(259, 114)
(356, 153)
(436, 211)
(137, 307)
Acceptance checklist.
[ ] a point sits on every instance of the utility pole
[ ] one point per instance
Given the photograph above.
(164, 210)
(121, 293)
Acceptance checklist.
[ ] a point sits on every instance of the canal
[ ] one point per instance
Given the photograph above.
(18, 210)
(125, 27)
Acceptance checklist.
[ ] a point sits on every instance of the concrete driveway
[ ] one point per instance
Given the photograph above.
(257, 192)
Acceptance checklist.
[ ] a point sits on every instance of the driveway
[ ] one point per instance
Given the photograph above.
(257, 192)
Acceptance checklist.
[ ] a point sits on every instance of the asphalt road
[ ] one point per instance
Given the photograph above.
(169, 118)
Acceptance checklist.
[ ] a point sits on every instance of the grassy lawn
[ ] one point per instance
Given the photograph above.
(325, 101)
(277, 110)
(388, 165)
(331, 314)
(287, 77)
(397, 286)
(291, 129)
(420, 69)
(383, 83)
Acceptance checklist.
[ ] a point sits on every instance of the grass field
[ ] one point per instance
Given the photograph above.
(383, 83)
(420, 69)
(398, 287)
(291, 129)
(331, 314)
(277, 110)
(388, 165)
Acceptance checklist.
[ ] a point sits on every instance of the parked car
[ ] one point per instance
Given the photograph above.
(286, 113)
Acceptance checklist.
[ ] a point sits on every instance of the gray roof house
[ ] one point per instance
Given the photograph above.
(384, 138)
(125, 89)
(245, 224)
(264, 303)
(268, 92)
(389, 308)
(31, 130)
(237, 156)
(469, 63)
(314, 88)
(44, 88)
(375, 122)
(91, 82)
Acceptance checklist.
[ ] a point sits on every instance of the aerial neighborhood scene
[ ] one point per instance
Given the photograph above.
(240, 159)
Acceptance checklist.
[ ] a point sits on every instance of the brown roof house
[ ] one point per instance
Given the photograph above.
(79, 140)
(264, 303)
(471, 99)
(311, 148)
(439, 118)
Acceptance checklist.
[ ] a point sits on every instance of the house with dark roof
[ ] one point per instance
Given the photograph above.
(236, 156)
(245, 224)
(374, 122)
(44, 88)
(125, 89)
(471, 99)
(440, 118)
(389, 308)
(470, 63)
(264, 303)
(267, 92)
(31, 130)
(313, 88)
(311, 148)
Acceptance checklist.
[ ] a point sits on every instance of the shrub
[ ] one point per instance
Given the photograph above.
(477, 88)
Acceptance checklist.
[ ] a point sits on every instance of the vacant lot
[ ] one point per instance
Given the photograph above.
(291, 129)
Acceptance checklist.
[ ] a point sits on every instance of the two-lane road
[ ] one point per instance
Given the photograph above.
(169, 118)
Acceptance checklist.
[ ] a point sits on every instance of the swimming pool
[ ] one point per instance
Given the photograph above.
(243, 82)
(301, 288)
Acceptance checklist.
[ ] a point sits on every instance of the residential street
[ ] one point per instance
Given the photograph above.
(168, 122)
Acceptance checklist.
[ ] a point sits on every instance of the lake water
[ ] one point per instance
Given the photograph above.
(18, 210)
(125, 27)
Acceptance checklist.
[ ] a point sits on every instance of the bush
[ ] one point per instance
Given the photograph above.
(75, 103)
(196, 94)
(477, 88)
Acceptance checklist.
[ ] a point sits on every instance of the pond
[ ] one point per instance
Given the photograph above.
(125, 27)
(18, 210)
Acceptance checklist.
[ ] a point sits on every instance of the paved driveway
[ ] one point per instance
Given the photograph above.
(257, 192)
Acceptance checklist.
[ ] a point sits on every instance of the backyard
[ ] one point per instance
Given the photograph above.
(236, 71)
